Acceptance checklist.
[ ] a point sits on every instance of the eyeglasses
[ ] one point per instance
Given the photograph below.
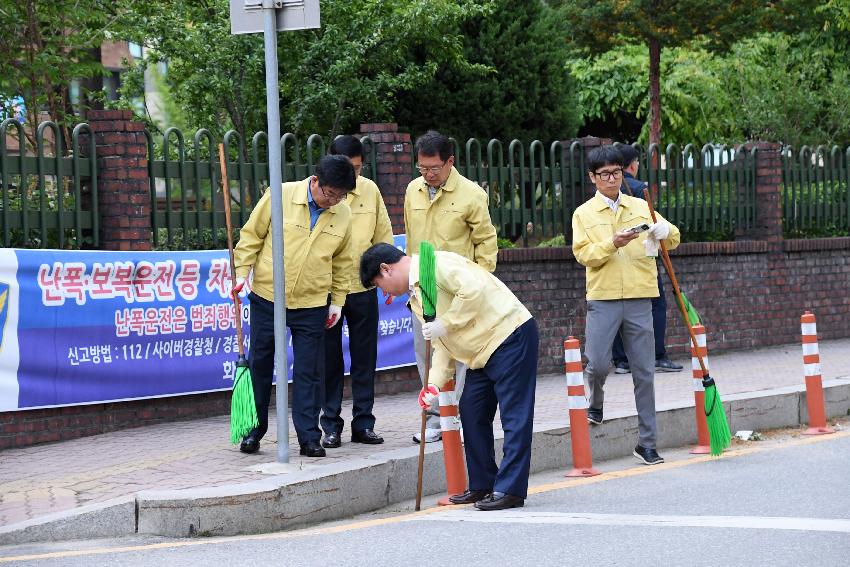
(434, 169)
(336, 198)
(608, 175)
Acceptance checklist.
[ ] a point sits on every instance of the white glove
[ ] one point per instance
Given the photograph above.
(334, 315)
(660, 230)
(651, 245)
(433, 330)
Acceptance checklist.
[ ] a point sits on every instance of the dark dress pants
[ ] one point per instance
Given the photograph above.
(361, 314)
(659, 326)
(307, 327)
(509, 380)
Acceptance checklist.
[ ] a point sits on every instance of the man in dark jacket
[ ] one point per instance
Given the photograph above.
(636, 188)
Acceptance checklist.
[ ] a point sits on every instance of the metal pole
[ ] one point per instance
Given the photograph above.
(273, 110)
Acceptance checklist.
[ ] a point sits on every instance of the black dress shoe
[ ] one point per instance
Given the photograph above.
(312, 449)
(500, 501)
(367, 436)
(331, 440)
(250, 444)
(469, 497)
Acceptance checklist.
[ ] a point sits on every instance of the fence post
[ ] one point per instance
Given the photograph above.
(588, 144)
(768, 196)
(124, 199)
(394, 163)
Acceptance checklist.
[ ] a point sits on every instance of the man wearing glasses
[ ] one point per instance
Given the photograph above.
(317, 264)
(451, 212)
(610, 231)
(370, 224)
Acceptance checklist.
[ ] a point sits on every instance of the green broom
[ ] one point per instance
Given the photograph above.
(718, 426)
(243, 411)
(428, 288)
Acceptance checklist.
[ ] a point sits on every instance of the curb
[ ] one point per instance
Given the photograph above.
(331, 492)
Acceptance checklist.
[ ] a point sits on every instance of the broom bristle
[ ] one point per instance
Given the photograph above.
(243, 411)
(718, 427)
(428, 279)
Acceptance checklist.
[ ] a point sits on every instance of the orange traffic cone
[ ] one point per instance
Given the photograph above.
(814, 385)
(703, 445)
(577, 402)
(452, 449)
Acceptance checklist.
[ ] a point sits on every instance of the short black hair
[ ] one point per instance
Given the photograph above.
(348, 146)
(336, 172)
(371, 260)
(630, 154)
(432, 143)
(604, 155)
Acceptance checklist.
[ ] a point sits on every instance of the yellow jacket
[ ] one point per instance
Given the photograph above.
(370, 224)
(616, 273)
(316, 262)
(477, 309)
(457, 220)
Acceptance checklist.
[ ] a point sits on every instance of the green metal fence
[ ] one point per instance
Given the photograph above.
(185, 184)
(816, 191)
(708, 193)
(533, 190)
(49, 195)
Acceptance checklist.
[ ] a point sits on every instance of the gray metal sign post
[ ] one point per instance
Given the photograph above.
(276, 15)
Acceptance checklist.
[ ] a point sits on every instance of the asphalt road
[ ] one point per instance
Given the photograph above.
(782, 501)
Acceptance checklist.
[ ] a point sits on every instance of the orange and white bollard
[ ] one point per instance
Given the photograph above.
(814, 385)
(452, 449)
(703, 445)
(577, 403)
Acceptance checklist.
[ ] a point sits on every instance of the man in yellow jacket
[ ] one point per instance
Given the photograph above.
(480, 323)
(451, 212)
(370, 224)
(317, 264)
(615, 239)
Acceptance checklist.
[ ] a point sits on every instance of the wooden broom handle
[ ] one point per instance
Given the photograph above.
(668, 265)
(225, 187)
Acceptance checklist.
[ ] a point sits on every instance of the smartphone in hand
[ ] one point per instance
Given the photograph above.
(639, 228)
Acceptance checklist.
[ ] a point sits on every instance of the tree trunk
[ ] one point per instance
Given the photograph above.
(654, 91)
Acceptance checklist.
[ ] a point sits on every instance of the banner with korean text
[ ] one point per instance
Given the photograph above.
(83, 327)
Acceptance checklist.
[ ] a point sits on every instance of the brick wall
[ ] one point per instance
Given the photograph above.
(747, 295)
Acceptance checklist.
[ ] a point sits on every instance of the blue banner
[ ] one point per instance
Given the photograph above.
(89, 327)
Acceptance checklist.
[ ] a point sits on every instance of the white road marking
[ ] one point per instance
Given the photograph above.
(728, 522)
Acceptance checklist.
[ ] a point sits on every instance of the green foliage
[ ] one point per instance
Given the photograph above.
(789, 89)
(600, 25)
(331, 78)
(555, 242)
(774, 86)
(615, 83)
(515, 87)
(505, 243)
(45, 46)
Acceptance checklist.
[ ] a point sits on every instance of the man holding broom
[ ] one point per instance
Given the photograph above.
(317, 261)
(615, 239)
(480, 323)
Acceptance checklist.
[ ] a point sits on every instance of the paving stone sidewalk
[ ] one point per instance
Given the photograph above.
(40, 480)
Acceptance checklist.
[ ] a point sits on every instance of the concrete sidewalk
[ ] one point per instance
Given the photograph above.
(71, 476)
